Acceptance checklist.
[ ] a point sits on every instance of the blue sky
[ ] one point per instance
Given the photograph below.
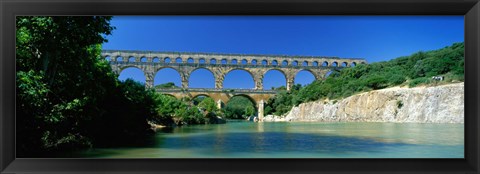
(375, 38)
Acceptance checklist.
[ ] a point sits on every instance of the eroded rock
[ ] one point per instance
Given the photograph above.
(440, 104)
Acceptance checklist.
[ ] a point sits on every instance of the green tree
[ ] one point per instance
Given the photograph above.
(235, 108)
(166, 105)
(67, 95)
(249, 110)
(208, 104)
(187, 114)
(58, 64)
(166, 85)
(413, 70)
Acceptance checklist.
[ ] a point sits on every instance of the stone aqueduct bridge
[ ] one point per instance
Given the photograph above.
(220, 65)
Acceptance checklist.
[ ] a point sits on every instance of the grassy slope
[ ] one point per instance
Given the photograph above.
(413, 70)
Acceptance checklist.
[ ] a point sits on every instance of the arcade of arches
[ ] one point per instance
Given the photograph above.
(220, 65)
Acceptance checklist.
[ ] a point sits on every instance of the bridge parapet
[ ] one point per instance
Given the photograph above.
(206, 54)
(219, 58)
(202, 65)
(213, 90)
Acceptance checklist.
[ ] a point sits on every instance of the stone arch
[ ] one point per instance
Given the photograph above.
(201, 80)
(325, 63)
(200, 95)
(163, 67)
(143, 59)
(234, 62)
(213, 61)
(255, 104)
(344, 64)
(253, 62)
(264, 62)
(143, 78)
(330, 72)
(334, 64)
(310, 71)
(157, 71)
(252, 76)
(155, 59)
(353, 64)
(131, 59)
(315, 77)
(119, 59)
(284, 63)
(167, 60)
(202, 61)
(244, 62)
(249, 72)
(178, 60)
(295, 63)
(273, 70)
(276, 69)
(108, 58)
(315, 63)
(224, 61)
(274, 62)
(121, 68)
(305, 63)
(190, 60)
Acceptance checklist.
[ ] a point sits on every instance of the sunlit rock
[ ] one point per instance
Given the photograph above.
(440, 104)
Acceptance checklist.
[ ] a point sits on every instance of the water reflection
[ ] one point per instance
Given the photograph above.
(260, 126)
(300, 140)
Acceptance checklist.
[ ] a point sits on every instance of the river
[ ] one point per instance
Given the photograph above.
(242, 139)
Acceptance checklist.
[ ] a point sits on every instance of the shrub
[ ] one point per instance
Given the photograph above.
(418, 81)
(399, 104)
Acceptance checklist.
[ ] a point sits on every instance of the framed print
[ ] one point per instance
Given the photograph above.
(239, 87)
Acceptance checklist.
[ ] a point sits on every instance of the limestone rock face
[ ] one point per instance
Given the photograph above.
(439, 104)
(274, 118)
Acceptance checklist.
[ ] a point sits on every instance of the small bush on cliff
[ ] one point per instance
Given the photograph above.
(399, 104)
(417, 81)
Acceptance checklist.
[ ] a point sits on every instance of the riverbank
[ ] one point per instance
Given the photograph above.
(437, 104)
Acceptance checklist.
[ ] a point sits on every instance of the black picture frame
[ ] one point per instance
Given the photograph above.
(9, 9)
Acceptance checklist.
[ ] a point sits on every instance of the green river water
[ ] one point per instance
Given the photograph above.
(242, 139)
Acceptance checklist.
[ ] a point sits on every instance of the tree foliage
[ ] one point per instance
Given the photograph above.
(208, 104)
(412, 70)
(67, 95)
(167, 85)
(239, 107)
(60, 80)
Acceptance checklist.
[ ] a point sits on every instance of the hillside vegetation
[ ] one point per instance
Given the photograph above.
(416, 69)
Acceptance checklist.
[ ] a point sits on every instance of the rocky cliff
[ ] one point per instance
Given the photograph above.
(439, 104)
